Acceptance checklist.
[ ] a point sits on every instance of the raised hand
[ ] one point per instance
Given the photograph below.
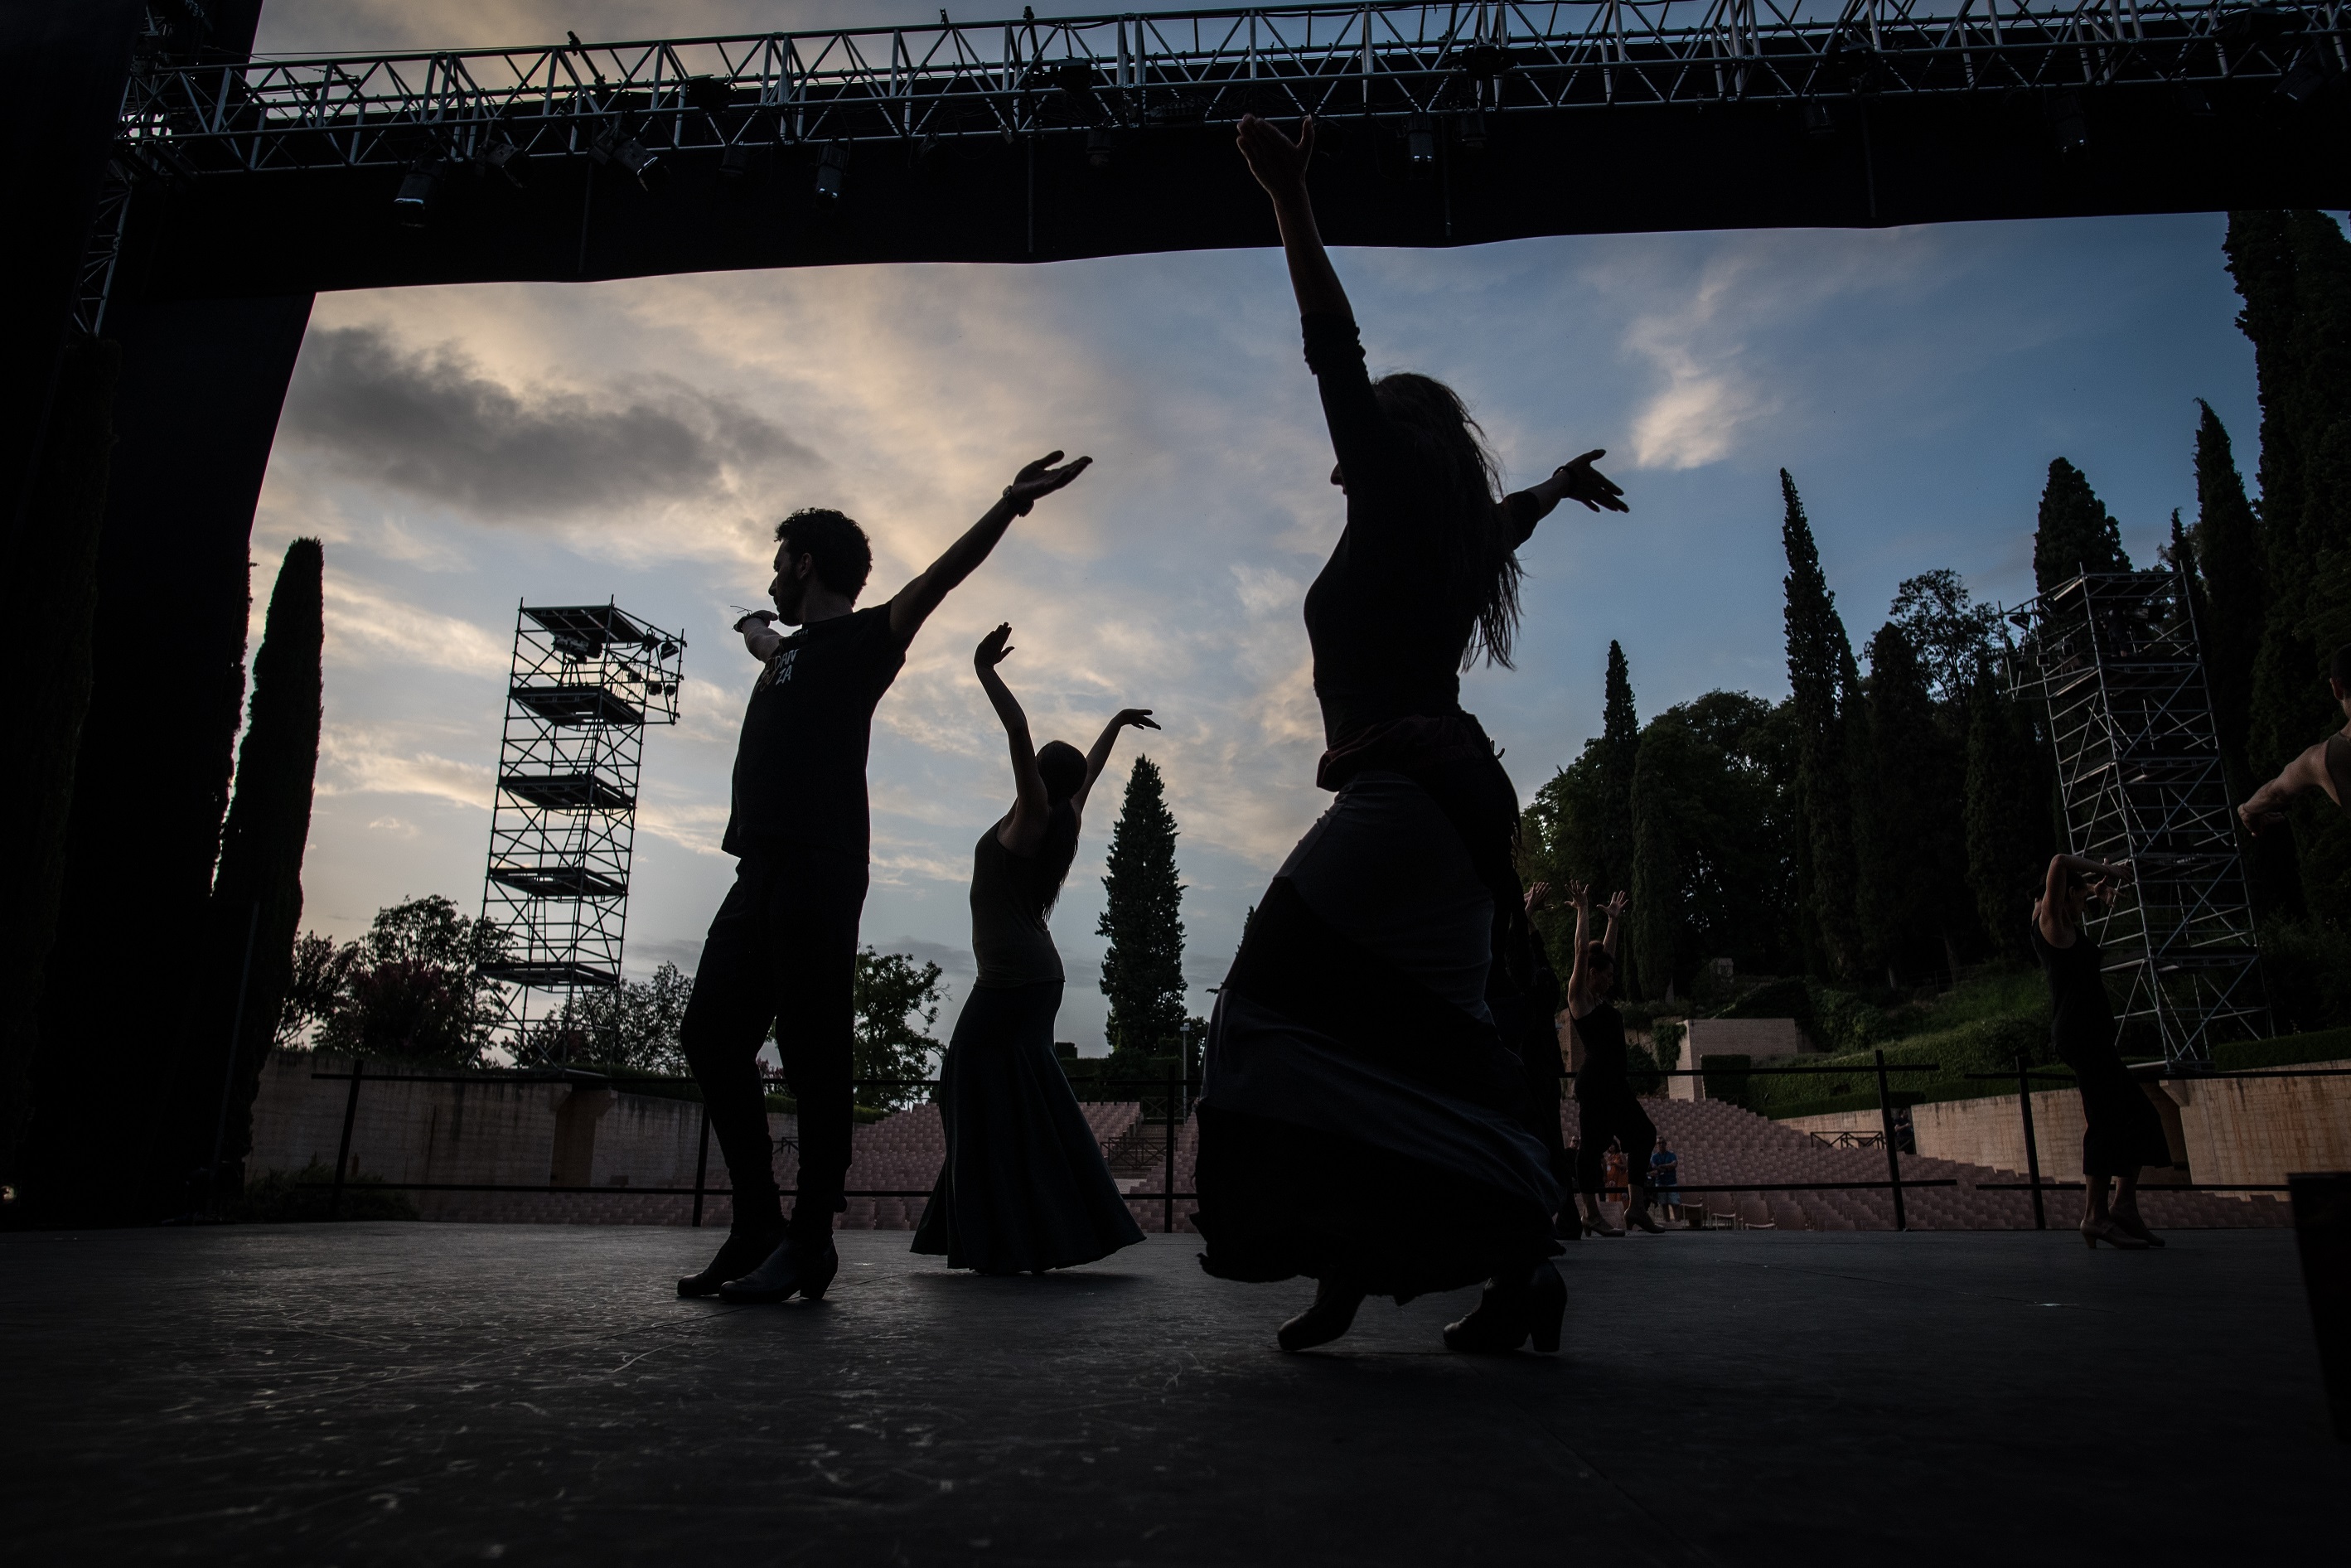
(1580, 481)
(1139, 717)
(1537, 897)
(1040, 479)
(1615, 906)
(1279, 163)
(993, 648)
(1579, 895)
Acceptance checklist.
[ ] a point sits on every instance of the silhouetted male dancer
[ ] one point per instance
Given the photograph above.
(783, 947)
(2325, 766)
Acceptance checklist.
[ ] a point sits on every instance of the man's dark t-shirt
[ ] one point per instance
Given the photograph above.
(800, 768)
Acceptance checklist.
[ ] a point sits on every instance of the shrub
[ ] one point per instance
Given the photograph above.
(279, 1197)
(2308, 969)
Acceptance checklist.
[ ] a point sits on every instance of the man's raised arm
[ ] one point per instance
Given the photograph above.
(914, 603)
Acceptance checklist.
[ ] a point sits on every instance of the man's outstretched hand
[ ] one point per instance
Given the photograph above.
(1580, 481)
(1279, 163)
(1040, 479)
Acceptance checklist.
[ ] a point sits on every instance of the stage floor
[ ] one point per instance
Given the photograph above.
(404, 1393)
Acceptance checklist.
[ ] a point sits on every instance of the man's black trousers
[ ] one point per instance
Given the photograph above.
(782, 949)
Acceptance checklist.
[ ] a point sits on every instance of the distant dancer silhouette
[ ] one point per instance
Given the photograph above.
(1606, 1110)
(1362, 1120)
(1024, 1187)
(783, 947)
(2122, 1131)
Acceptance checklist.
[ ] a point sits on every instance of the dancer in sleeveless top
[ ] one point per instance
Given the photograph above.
(1607, 1109)
(2325, 766)
(2122, 1132)
(1024, 1187)
(1362, 1121)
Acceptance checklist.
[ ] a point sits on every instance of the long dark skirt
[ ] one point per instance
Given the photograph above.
(1362, 1118)
(2122, 1131)
(1024, 1187)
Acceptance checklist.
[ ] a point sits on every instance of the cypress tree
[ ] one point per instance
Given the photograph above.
(1916, 904)
(2010, 831)
(2075, 534)
(2230, 561)
(257, 887)
(1655, 918)
(2294, 272)
(1819, 658)
(1619, 757)
(1142, 916)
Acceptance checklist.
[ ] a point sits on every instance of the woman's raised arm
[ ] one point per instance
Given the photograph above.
(1099, 757)
(1024, 834)
(1279, 165)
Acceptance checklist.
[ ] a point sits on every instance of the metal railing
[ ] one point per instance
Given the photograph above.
(1178, 1091)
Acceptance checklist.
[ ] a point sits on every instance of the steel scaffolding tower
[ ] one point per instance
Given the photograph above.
(587, 680)
(2116, 659)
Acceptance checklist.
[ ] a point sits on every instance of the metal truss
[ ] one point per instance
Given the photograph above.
(587, 680)
(635, 103)
(2116, 660)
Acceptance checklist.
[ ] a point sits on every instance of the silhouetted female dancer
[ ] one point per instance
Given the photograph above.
(1024, 1187)
(1360, 1122)
(1607, 1109)
(2123, 1133)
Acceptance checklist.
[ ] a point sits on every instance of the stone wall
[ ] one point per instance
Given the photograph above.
(504, 1133)
(2222, 1129)
(1758, 1039)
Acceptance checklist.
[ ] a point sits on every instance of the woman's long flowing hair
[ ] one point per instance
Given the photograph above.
(1459, 481)
(1063, 767)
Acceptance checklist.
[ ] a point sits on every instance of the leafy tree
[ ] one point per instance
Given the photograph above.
(1142, 916)
(257, 896)
(1712, 828)
(897, 1001)
(1948, 633)
(633, 1024)
(2009, 830)
(1819, 658)
(314, 986)
(415, 989)
(2075, 533)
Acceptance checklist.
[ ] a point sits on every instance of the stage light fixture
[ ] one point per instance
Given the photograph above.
(832, 172)
(2067, 123)
(2311, 74)
(417, 189)
(1420, 141)
(1473, 128)
(1818, 120)
(734, 162)
(631, 154)
(1099, 148)
(503, 157)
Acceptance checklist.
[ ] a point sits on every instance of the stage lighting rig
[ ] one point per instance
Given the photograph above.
(631, 154)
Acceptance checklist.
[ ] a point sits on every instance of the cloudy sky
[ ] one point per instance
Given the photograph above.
(463, 449)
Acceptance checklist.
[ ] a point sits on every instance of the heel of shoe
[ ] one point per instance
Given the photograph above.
(821, 1279)
(1550, 1307)
(2090, 1239)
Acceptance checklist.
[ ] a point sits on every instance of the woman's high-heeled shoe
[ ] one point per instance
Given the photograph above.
(1333, 1314)
(2132, 1225)
(2097, 1230)
(1513, 1311)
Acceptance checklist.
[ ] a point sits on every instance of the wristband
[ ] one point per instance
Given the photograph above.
(1019, 508)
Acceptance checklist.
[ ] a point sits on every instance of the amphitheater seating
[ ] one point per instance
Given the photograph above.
(1720, 1144)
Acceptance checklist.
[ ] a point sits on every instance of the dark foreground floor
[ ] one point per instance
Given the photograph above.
(444, 1393)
